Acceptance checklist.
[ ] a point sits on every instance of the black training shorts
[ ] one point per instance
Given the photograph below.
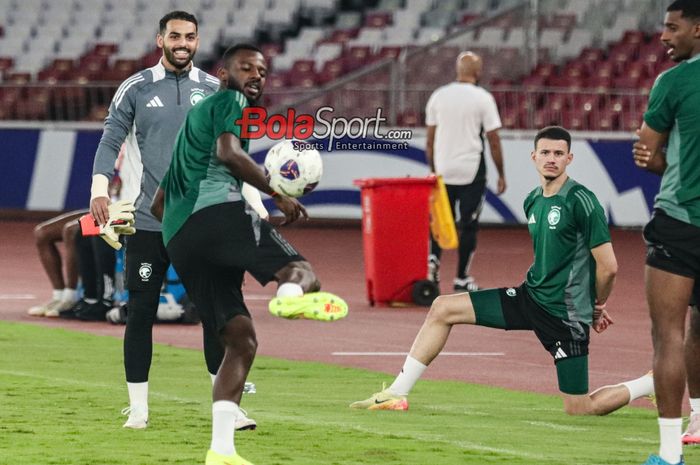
(673, 245)
(513, 309)
(214, 248)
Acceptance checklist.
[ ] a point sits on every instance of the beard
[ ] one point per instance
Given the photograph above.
(233, 84)
(176, 62)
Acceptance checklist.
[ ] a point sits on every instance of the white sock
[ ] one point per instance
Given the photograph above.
(671, 447)
(213, 378)
(694, 406)
(410, 373)
(69, 295)
(223, 415)
(138, 394)
(57, 294)
(640, 387)
(289, 290)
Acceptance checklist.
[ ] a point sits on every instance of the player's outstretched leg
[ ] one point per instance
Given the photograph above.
(445, 312)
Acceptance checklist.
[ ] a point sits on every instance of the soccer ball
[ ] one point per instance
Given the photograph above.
(292, 172)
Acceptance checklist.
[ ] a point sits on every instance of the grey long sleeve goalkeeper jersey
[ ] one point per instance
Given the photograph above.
(146, 112)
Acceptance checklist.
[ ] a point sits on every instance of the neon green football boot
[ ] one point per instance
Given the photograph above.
(321, 306)
(382, 400)
(214, 458)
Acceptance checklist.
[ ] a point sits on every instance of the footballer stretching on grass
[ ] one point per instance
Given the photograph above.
(563, 296)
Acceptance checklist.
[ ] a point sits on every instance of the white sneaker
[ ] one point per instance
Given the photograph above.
(434, 269)
(138, 417)
(467, 284)
(40, 310)
(244, 423)
(63, 305)
(692, 433)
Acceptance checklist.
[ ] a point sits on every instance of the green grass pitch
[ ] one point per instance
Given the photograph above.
(61, 393)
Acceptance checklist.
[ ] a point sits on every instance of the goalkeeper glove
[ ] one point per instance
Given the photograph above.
(120, 222)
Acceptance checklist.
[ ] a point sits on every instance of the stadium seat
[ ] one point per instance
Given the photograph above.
(332, 70)
(302, 79)
(303, 66)
(575, 120)
(378, 19)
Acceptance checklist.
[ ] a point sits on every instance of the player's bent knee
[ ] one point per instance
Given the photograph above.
(452, 309)
(41, 235)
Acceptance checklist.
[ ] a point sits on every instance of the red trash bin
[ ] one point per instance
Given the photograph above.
(395, 232)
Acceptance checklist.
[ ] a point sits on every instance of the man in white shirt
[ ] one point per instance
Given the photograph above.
(457, 116)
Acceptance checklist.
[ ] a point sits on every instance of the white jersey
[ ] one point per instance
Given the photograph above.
(460, 111)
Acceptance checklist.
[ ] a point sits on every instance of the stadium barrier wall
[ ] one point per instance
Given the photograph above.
(48, 168)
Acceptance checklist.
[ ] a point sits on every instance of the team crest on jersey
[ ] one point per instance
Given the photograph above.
(145, 271)
(554, 216)
(196, 96)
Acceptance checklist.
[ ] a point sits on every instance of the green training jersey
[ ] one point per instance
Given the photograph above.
(564, 228)
(674, 108)
(196, 178)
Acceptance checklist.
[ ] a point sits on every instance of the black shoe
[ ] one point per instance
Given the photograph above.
(72, 313)
(96, 311)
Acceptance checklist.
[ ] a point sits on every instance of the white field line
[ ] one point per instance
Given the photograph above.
(17, 296)
(403, 354)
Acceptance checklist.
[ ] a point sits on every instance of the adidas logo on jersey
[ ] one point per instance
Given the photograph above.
(155, 102)
(532, 219)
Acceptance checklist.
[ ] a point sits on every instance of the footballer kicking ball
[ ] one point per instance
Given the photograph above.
(291, 171)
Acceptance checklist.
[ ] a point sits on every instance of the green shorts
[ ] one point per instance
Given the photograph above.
(512, 309)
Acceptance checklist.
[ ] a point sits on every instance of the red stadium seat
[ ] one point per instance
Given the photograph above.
(7, 111)
(633, 37)
(276, 80)
(341, 36)
(104, 49)
(510, 118)
(468, 18)
(574, 120)
(301, 79)
(626, 82)
(51, 75)
(533, 82)
(125, 67)
(35, 106)
(390, 52)
(605, 121)
(151, 58)
(630, 121)
(70, 101)
(544, 70)
(590, 54)
(9, 96)
(270, 51)
(303, 66)
(6, 64)
(586, 103)
(604, 69)
(409, 118)
(599, 84)
(378, 19)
